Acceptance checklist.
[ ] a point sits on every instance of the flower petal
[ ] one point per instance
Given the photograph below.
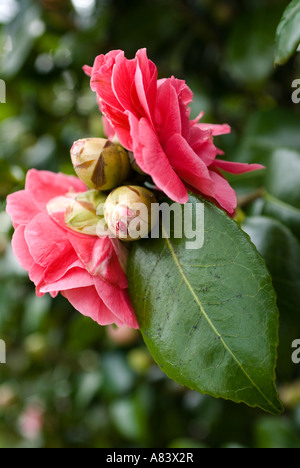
(215, 129)
(21, 207)
(235, 167)
(45, 185)
(75, 278)
(151, 158)
(117, 300)
(20, 249)
(46, 241)
(190, 167)
(99, 258)
(224, 193)
(168, 115)
(146, 83)
(87, 302)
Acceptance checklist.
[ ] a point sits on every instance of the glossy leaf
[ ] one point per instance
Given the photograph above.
(265, 132)
(281, 251)
(283, 177)
(250, 61)
(288, 33)
(282, 199)
(208, 316)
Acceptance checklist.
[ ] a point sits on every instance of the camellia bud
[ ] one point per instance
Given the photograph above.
(83, 214)
(134, 165)
(127, 212)
(99, 163)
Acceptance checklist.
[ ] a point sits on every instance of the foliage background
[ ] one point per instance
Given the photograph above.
(67, 381)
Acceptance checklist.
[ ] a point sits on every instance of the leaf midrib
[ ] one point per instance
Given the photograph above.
(196, 298)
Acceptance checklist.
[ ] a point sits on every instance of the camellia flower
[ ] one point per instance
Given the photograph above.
(151, 118)
(86, 269)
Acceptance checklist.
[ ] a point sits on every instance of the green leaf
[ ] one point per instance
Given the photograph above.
(282, 200)
(281, 251)
(288, 33)
(271, 432)
(265, 132)
(209, 316)
(250, 61)
(283, 177)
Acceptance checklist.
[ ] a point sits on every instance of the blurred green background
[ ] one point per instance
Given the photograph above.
(69, 382)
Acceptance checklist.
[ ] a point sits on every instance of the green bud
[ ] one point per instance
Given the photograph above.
(99, 163)
(127, 212)
(134, 165)
(84, 213)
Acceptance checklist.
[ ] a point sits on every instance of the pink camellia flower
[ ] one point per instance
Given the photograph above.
(84, 269)
(151, 118)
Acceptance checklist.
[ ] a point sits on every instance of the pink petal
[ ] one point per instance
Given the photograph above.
(188, 165)
(215, 129)
(99, 258)
(61, 266)
(87, 302)
(87, 70)
(120, 124)
(224, 193)
(75, 278)
(108, 128)
(46, 241)
(20, 249)
(117, 300)
(201, 142)
(168, 115)
(122, 253)
(23, 256)
(45, 185)
(146, 83)
(122, 82)
(236, 168)
(102, 77)
(182, 90)
(21, 207)
(151, 158)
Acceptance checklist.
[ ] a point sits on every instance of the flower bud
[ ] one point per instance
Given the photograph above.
(83, 214)
(134, 165)
(127, 212)
(99, 163)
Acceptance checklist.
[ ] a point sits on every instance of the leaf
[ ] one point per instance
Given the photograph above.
(209, 316)
(271, 432)
(250, 61)
(288, 33)
(282, 199)
(283, 177)
(265, 132)
(281, 251)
